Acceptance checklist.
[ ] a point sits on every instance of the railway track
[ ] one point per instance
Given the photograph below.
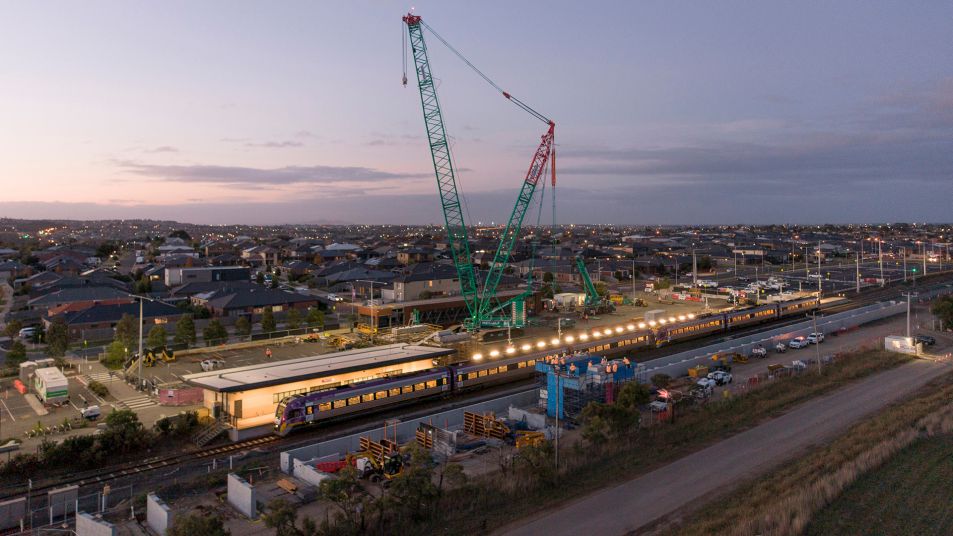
(135, 469)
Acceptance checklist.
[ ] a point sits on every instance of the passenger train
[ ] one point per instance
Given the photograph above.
(302, 409)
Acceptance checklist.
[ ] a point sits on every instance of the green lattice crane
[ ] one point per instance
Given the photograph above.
(484, 307)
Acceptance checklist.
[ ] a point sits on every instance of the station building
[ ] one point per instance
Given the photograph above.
(246, 398)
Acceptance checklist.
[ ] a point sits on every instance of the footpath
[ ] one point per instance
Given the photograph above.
(689, 481)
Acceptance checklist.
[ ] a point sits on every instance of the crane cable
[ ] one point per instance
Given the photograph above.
(515, 101)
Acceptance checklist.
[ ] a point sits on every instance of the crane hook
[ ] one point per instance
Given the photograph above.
(405, 80)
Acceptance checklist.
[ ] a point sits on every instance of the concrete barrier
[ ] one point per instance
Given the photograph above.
(12, 512)
(62, 502)
(87, 525)
(241, 495)
(306, 473)
(158, 514)
(405, 430)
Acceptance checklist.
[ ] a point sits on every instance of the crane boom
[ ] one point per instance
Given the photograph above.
(443, 167)
(488, 303)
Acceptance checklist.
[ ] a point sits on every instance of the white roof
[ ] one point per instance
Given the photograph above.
(50, 375)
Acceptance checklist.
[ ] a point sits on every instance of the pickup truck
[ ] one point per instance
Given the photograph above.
(759, 351)
(720, 377)
(798, 342)
(815, 338)
(707, 383)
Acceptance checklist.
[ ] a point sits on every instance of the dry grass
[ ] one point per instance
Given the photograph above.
(785, 503)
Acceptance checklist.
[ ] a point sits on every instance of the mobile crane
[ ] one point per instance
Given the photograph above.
(484, 308)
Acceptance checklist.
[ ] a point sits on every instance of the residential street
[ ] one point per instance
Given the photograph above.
(629, 506)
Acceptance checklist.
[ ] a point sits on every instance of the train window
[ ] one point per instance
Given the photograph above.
(340, 403)
(521, 364)
(367, 398)
(395, 391)
(459, 377)
(309, 410)
(531, 362)
(472, 376)
(324, 406)
(482, 373)
(354, 400)
(492, 370)
(407, 389)
(380, 394)
(431, 384)
(420, 386)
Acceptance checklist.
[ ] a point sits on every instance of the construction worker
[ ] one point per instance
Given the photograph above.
(268, 353)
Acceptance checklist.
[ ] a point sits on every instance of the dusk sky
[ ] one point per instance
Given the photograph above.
(294, 112)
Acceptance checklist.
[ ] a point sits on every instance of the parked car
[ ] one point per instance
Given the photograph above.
(658, 406)
(212, 364)
(26, 333)
(780, 347)
(925, 340)
(720, 377)
(91, 413)
(335, 298)
(707, 383)
(701, 393)
(815, 338)
(759, 351)
(798, 342)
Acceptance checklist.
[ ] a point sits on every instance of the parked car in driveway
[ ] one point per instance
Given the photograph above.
(798, 342)
(925, 340)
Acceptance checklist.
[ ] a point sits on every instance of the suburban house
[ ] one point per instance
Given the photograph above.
(104, 316)
(242, 301)
(70, 295)
(205, 274)
(427, 279)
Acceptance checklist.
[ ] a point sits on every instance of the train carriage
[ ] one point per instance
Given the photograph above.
(795, 307)
(492, 372)
(689, 330)
(314, 407)
(753, 315)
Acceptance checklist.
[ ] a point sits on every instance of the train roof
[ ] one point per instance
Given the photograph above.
(305, 368)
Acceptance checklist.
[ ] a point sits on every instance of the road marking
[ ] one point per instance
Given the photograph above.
(8, 410)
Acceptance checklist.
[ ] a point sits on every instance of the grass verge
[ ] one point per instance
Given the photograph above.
(785, 502)
(500, 498)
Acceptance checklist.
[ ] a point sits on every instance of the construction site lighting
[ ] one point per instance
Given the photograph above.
(681, 317)
(477, 357)
(494, 353)
(662, 321)
(607, 331)
(619, 329)
(652, 323)
(554, 341)
(526, 347)
(570, 338)
(583, 336)
(631, 327)
(541, 344)
(511, 350)
(596, 334)
(671, 319)
(641, 325)
(691, 316)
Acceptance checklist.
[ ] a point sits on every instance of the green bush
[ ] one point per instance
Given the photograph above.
(99, 389)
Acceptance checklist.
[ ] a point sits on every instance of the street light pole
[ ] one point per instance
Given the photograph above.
(924, 257)
(904, 263)
(857, 274)
(908, 295)
(817, 343)
(880, 254)
(141, 302)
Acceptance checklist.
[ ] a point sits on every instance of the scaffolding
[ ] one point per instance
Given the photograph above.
(570, 384)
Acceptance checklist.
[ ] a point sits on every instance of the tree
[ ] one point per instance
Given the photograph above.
(143, 285)
(214, 333)
(268, 324)
(106, 249)
(662, 283)
(661, 380)
(293, 320)
(282, 516)
(185, 331)
(16, 354)
(127, 331)
(195, 524)
(274, 282)
(115, 355)
(315, 317)
(181, 233)
(346, 493)
(57, 338)
(547, 277)
(277, 272)
(123, 432)
(243, 326)
(413, 492)
(601, 288)
(260, 278)
(13, 328)
(425, 295)
(943, 310)
(157, 336)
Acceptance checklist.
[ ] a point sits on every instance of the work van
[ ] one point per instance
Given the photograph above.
(27, 333)
(92, 413)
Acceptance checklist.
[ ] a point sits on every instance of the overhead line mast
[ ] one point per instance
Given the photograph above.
(483, 305)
